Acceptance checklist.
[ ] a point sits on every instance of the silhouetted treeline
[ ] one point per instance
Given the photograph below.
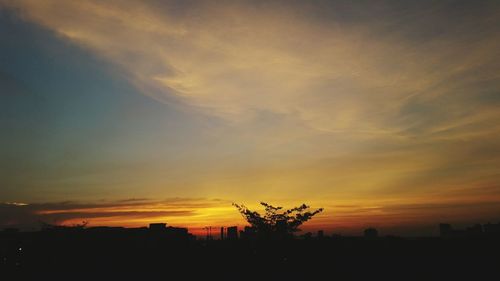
(167, 253)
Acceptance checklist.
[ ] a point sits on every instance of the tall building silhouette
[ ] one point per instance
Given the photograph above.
(371, 233)
(445, 229)
(232, 233)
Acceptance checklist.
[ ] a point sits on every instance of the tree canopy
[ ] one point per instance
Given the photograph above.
(275, 220)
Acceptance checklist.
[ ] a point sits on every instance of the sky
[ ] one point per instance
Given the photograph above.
(384, 113)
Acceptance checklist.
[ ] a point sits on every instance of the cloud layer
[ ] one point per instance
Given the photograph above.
(362, 104)
(130, 212)
(371, 76)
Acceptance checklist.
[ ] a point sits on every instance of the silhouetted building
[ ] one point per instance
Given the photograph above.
(11, 230)
(321, 234)
(222, 233)
(370, 233)
(336, 236)
(157, 226)
(160, 231)
(474, 230)
(105, 228)
(179, 232)
(492, 228)
(63, 228)
(248, 233)
(232, 233)
(307, 235)
(445, 230)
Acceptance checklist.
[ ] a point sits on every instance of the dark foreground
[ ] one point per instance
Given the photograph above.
(113, 256)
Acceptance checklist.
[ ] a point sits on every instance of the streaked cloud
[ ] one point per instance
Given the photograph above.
(128, 212)
(16, 203)
(236, 58)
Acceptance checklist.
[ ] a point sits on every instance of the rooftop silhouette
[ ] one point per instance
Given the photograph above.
(161, 248)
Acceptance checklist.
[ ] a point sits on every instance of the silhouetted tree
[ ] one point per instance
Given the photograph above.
(48, 226)
(275, 221)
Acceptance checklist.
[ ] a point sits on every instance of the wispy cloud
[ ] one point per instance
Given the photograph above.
(128, 212)
(235, 58)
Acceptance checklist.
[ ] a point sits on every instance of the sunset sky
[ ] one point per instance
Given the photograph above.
(384, 113)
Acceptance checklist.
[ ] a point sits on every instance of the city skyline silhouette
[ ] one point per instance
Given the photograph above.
(249, 139)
